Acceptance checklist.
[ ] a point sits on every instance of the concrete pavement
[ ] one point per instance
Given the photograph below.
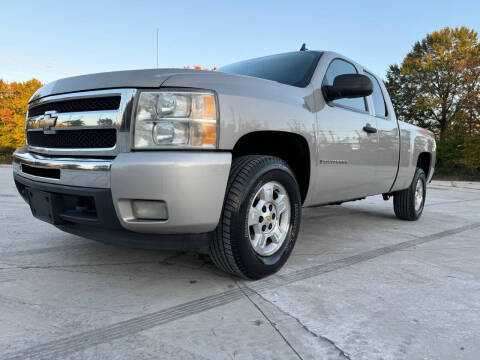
(360, 284)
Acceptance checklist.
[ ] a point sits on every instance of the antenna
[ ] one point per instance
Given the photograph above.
(303, 48)
(157, 47)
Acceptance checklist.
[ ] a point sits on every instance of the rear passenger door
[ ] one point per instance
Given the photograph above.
(388, 137)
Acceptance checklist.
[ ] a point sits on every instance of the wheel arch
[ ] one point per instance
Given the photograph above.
(290, 147)
(424, 161)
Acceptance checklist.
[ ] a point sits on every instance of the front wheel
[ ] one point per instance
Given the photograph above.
(260, 218)
(408, 204)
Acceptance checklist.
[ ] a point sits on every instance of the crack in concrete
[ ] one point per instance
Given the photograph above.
(305, 327)
(451, 202)
(41, 250)
(12, 300)
(272, 324)
(171, 257)
(454, 186)
(36, 267)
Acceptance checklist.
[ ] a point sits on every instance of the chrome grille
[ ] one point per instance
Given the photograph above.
(74, 139)
(83, 123)
(77, 105)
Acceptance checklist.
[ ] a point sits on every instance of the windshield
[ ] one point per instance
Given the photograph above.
(294, 68)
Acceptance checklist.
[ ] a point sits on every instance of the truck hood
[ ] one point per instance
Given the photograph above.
(150, 78)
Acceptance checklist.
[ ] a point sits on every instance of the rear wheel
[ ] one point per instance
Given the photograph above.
(408, 204)
(260, 218)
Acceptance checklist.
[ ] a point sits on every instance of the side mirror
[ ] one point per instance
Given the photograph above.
(348, 86)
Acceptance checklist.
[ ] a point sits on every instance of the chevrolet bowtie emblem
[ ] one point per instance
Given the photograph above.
(48, 120)
(269, 218)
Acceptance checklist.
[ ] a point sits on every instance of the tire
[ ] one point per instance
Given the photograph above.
(404, 202)
(234, 248)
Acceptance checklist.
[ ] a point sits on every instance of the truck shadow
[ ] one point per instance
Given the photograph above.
(76, 254)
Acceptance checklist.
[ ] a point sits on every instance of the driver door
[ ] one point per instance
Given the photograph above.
(346, 153)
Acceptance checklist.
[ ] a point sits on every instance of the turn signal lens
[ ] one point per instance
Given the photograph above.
(209, 134)
(204, 108)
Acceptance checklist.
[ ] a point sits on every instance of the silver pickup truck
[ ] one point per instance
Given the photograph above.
(222, 160)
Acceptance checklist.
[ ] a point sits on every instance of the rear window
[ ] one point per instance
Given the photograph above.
(295, 68)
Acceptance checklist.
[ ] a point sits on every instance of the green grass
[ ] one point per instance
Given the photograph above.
(457, 176)
(456, 172)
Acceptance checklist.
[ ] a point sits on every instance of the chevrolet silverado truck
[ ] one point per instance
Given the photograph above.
(222, 160)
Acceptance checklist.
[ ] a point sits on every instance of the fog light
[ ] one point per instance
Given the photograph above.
(150, 209)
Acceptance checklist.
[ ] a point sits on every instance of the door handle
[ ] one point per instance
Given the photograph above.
(369, 129)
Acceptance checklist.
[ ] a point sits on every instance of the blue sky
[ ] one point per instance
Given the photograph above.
(54, 39)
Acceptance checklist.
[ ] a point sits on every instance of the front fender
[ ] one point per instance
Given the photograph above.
(248, 104)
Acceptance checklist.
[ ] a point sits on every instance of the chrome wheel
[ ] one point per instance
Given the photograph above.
(269, 218)
(419, 193)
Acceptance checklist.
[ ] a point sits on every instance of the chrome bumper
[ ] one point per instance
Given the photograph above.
(93, 173)
(191, 183)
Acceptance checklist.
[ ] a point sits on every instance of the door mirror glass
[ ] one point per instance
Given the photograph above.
(348, 86)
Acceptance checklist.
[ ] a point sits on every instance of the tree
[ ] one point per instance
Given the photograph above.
(14, 98)
(437, 86)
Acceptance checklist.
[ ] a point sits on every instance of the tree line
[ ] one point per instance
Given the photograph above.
(437, 86)
(14, 98)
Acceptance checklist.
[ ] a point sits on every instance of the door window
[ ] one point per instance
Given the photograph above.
(379, 105)
(340, 67)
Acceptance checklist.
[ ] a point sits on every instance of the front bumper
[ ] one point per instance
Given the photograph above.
(192, 184)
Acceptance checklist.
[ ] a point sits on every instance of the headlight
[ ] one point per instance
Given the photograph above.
(166, 119)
